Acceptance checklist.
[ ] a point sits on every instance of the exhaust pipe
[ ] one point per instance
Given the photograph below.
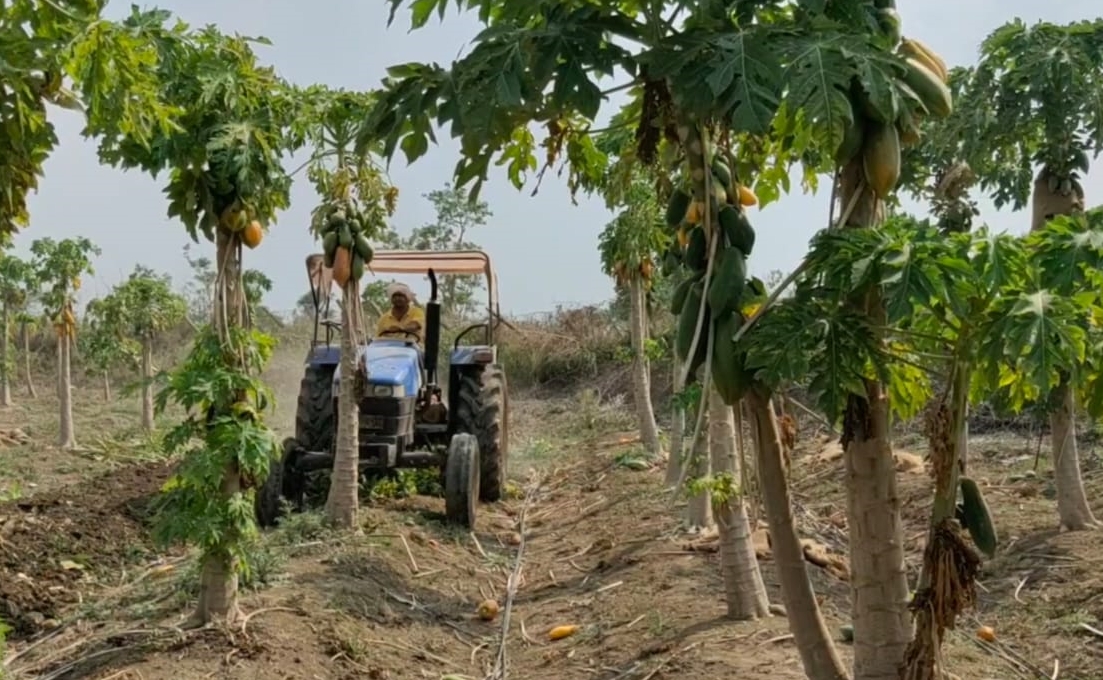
(432, 330)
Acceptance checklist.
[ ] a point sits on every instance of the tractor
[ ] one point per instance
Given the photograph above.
(407, 419)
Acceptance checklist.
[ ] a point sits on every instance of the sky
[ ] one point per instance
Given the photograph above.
(544, 248)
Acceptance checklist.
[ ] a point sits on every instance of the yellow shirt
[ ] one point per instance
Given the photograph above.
(413, 321)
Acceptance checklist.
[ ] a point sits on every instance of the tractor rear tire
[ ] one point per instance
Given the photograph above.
(461, 480)
(482, 409)
(314, 421)
(283, 482)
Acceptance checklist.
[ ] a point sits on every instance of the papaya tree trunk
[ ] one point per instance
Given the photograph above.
(744, 589)
(641, 378)
(675, 460)
(1049, 200)
(343, 502)
(947, 581)
(106, 386)
(218, 580)
(818, 654)
(698, 510)
(66, 435)
(31, 391)
(147, 383)
(879, 584)
(5, 358)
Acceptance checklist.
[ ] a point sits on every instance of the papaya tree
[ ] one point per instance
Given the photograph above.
(59, 266)
(222, 155)
(15, 276)
(28, 323)
(138, 310)
(356, 199)
(628, 246)
(101, 353)
(48, 48)
(709, 78)
(1037, 103)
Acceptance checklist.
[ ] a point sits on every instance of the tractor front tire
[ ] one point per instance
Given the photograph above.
(314, 421)
(483, 410)
(461, 480)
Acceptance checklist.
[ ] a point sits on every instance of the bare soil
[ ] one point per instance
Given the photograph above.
(588, 540)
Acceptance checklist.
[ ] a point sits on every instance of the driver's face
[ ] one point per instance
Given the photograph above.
(399, 302)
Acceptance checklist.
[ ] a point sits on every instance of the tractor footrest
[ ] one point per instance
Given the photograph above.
(310, 461)
(417, 459)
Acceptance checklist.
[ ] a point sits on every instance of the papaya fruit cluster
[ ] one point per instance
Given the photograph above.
(728, 289)
(345, 243)
(873, 135)
(239, 218)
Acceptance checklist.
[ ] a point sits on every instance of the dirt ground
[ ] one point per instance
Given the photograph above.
(588, 538)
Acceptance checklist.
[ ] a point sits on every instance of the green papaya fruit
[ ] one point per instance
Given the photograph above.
(729, 278)
(721, 172)
(363, 247)
(976, 517)
(697, 250)
(328, 257)
(344, 236)
(357, 266)
(676, 207)
(737, 229)
(687, 320)
(329, 244)
(678, 298)
(729, 373)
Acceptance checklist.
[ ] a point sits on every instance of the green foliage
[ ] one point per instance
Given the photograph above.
(59, 266)
(636, 235)
(762, 71)
(42, 44)
(1036, 98)
(225, 144)
(1011, 308)
(224, 426)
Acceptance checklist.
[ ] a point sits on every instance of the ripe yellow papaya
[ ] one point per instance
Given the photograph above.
(695, 212)
(881, 158)
(747, 196)
(342, 266)
(683, 236)
(252, 235)
(932, 92)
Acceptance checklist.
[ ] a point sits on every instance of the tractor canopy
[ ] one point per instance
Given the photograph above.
(472, 262)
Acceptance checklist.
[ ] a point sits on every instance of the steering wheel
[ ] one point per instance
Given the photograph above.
(397, 331)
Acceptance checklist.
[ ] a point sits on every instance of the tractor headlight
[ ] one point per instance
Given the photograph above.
(388, 391)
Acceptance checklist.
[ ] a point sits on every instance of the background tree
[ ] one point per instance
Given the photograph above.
(44, 44)
(59, 266)
(628, 246)
(356, 199)
(456, 216)
(16, 276)
(1037, 120)
(222, 151)
(101, 351)
(138, 310)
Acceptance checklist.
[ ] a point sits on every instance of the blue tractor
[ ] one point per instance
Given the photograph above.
(407, 419)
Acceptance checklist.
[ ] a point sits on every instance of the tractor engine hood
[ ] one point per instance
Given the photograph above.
(394, 369)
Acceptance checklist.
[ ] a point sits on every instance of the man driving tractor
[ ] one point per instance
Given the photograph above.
(403, 319)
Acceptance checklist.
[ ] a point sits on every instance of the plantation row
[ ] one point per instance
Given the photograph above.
(888, 315)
